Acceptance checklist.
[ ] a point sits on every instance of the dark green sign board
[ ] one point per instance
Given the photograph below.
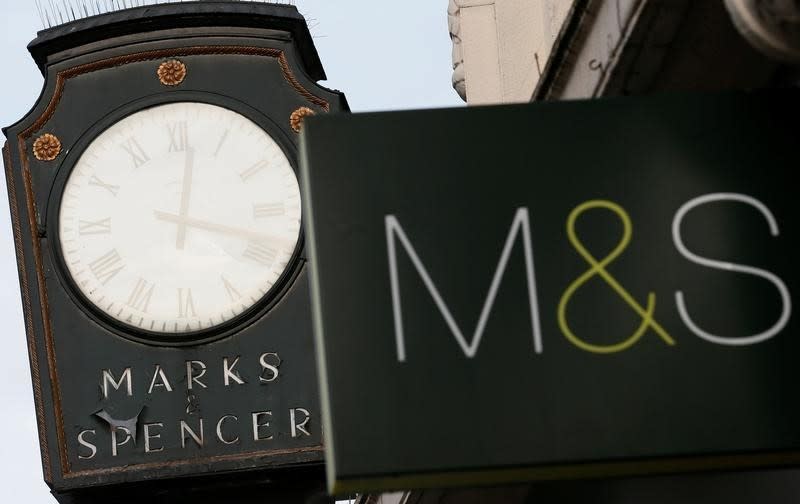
(555, 290)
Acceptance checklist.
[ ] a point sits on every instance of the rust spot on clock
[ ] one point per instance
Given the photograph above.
(172, 72)
(47, 147)
(298, 116)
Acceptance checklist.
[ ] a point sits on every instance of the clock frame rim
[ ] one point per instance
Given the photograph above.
(259, 309)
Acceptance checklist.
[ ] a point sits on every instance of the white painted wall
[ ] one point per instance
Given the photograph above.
(501, 46)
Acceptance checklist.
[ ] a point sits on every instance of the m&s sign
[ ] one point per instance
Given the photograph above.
(555, 290)
(521, 230)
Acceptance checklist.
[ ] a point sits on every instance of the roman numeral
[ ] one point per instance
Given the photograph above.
(137, 154)
(263, 210)
(107, 266)
(178, 136)
(232, 292)
(253, 170)
(140, 295)
(102, 226)
(260, 253)
(185, 304)
(95, 181)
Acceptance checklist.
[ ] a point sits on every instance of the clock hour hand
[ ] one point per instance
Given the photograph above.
(186, 221)
(186, 194)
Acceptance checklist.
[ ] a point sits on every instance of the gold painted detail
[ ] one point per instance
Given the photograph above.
(33, 353)
(172, 72)
(47, 147)
(297, 117)
(64, 75)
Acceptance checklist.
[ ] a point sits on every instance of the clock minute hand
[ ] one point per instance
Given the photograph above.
(186, 194)
(187, 221)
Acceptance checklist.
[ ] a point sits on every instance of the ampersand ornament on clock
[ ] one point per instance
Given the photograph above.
(156, 208)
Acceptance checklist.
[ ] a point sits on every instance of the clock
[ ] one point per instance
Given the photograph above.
(157, 218)
(178, 219)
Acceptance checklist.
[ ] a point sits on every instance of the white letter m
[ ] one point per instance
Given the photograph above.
(521, 222)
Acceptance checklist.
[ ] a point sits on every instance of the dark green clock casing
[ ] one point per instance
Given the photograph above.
(93, 377)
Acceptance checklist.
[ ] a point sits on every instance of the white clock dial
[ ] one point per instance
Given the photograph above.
(179, 218)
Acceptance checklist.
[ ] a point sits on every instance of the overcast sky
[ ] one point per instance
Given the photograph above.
(383, 55)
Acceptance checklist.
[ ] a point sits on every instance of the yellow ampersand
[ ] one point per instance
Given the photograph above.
(598, 268)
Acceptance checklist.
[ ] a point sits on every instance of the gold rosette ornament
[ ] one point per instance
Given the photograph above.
(47, 147)
(172, 72)
(297, 117)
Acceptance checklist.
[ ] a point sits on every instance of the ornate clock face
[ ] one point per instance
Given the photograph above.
(179, 218)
